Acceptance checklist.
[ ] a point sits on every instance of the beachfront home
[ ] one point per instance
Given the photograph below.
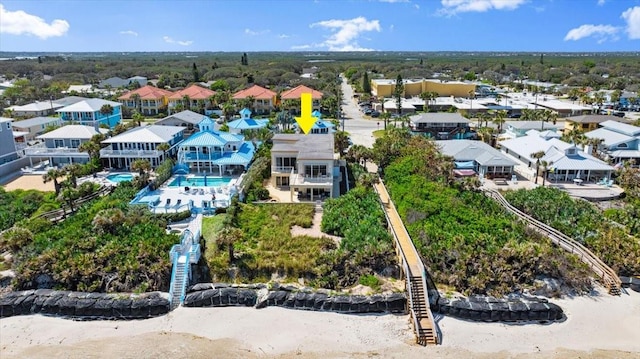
(296, 93)
(305, 165)
(246, 123)
(192, 97)
(7, 144)
(188, 119)
(141, 143)
(215, 152)
(320, 126)
(117, 82)
(38, 108)
(35, 126)
(60, 146)
(566, 160)
(514, 129)
(92, 112)
(620, 141)
(476, 157)
(147, 100)
(441, 125)
(264, 100)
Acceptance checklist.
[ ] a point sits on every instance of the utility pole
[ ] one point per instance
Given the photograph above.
(339, 108)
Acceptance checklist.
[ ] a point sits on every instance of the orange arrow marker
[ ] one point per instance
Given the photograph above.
(305, 121)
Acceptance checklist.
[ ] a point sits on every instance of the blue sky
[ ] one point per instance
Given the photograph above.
(320, 25)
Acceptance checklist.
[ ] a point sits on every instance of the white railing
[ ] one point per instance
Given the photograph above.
(303, 179)
(109, 152)
(281, 169)
(42, 150)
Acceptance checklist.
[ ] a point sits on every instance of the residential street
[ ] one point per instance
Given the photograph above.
(360, 129)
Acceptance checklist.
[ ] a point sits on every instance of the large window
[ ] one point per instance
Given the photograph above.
(58, 143)
(315, 170)
(285, 161)
(75, 143)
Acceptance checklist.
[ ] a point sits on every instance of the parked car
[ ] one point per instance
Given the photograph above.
(375, 114)
(619, 114)
(368, 111)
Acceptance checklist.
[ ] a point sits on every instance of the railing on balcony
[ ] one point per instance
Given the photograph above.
(109, 152)
(40, 149)
(199, 156)
(300, 179)
(281, 169)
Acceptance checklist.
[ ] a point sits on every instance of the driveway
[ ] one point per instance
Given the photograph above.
(360, 129)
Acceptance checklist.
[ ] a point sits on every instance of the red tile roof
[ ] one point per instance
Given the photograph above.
(295, 93)
(259, 93)
(147, 93)
(194, 92)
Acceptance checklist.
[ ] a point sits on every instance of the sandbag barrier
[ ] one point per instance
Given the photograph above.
(487, 309)
(390, 303)
(82, 305)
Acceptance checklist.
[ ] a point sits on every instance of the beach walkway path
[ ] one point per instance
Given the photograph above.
(414, 270)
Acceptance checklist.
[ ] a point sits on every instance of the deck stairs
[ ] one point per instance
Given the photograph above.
(183, 255)
(414, 271)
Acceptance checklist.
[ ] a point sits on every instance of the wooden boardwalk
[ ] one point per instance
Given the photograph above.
(608, 276)
(414, 271)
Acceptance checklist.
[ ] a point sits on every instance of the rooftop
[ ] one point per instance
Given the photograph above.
(89, 105)
(71, 131)
(308, 147)
(35, 121)
(295, 93)
(257, 92)
(439, 117)
(469, 150)
(147, 134)
(194, 92)
(186, 116)
(147, 92)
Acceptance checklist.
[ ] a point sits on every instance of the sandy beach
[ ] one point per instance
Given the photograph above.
(29, 182)
(600, 327)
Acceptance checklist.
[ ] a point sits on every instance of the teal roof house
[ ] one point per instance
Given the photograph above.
(215, 152)
(246, 123)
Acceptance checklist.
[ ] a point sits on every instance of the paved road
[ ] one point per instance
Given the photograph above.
(359, 128)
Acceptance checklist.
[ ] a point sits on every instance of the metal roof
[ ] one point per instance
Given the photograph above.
(469, 150)
(71, 131)
(555, 151)
(626, 153)
(309, 147)
(186, 116)
(533, 125)
(147, 134)
(243, 156)
(36, 121)
(610, 138)
(620, 127)
(89, 105)
(248, 124)
(438, 117)
(211, 138)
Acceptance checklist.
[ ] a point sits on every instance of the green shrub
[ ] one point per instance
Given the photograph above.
(370, 280)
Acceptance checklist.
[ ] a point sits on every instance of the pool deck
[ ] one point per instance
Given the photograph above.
(176, 199)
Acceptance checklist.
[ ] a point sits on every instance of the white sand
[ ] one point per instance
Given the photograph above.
(29, 182)
(606, 327)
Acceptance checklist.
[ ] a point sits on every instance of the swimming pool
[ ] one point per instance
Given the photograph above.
(120, 177)
(182, 181)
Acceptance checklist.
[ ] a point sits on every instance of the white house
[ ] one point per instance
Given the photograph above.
(620, 141)
(61, 145)
(141, 143)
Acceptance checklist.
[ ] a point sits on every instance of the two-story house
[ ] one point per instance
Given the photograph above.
(147, 100)
(305, 165)
(584, 123)
(620, 141)
(514, 129)
(92, 112)
(246, 123)
(215, 152)
(476, 157)
(192, 97)
(141, 143)
(187, 118)
(60, 146)
(295, 94)
(35, 126)
(441, 126)
(264, 100)
(7, 144)
(38, 108)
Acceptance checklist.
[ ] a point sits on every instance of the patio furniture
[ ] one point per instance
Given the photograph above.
(610, 183)
(577, 181)
(603, 181)
(168, 202)
(178, 202)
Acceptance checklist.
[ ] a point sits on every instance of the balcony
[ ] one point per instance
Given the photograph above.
(281, 169)
(304, 180)
(42, 151)
(108, 152)
(199, 156)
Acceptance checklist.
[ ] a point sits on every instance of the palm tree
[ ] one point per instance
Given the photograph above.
(537, 156)
(341, 142)
(427, 97)
(186, 102)
(499, 119)
(228, 110)
(53, 175)
(485, 134)
(90, 147)
(548, 116)
(385, 117)
(227, 237)
(141, 165)
(595, 144)
(164, 147)
(73, 171)
(106, 110)
(137, 102)
(545, 169)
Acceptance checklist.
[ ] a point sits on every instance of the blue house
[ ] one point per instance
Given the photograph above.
(246, 123)
(320, 126)
(88, 113)
(215, 152)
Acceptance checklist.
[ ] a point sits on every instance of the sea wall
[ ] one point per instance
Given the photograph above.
(488, 309)
(81, 305)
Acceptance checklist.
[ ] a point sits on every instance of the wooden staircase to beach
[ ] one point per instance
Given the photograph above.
(607, 275)
(414, 271)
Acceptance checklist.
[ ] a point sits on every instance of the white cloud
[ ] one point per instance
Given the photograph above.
(345, 33)
(601, 32)
(255, 33)
(169, 40)
(601, 2)
(19, 23)
(393, 1)
(450, 7)
(129, 32)
(632, 17)
(284, 36)
(301, 47)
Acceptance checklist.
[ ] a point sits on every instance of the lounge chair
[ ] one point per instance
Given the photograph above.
(178, 202)
(194, 191)
(168, 202)
(202, 191)
(610, 183)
